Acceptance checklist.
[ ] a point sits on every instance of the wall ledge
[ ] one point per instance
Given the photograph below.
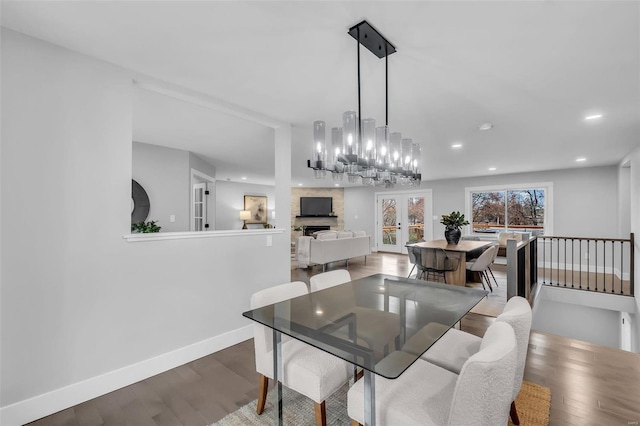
(158, 236)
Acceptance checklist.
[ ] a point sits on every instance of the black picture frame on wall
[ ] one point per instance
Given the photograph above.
(140, 204)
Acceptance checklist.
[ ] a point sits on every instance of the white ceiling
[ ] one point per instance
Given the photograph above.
(533, 69)
(221, 139)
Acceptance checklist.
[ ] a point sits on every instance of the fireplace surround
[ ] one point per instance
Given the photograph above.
(308, 230)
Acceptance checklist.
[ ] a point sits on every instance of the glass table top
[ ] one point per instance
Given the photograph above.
(381, 323)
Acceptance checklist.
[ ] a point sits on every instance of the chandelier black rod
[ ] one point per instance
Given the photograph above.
(386, 87)
(359, 111)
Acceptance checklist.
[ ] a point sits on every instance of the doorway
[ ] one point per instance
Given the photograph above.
(202, 194)
(401, 218)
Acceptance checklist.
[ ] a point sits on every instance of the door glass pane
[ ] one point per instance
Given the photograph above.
(415, 210)
(198, 195)
(488, 211)
(389, 221)
(198, 224)
(198, 210)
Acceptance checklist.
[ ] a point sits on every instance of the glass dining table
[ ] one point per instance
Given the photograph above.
(328, 320)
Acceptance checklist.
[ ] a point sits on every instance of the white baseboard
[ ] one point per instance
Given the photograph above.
(31, 409)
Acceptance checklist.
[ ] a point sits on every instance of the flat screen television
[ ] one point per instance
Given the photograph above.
(316, 206)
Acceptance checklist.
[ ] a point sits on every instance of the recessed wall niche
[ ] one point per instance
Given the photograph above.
(182, 149)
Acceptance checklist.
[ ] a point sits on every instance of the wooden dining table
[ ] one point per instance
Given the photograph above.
(456, 251)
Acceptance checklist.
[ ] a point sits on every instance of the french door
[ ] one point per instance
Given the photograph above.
(199, 209)
(401, 219)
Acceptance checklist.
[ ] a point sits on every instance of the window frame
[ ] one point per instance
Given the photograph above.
(548, 207)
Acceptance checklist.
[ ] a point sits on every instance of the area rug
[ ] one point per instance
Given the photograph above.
(533, 404)
(298, 410)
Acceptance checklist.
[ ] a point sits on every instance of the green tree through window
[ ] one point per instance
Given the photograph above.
(514, 209)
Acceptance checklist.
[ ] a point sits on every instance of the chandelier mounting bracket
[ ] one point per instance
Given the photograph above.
(370, 38)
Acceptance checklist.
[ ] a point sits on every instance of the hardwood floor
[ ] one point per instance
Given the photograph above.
(590, 384)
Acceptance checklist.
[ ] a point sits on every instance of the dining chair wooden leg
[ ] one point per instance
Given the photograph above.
(355, 423)
(321, 413)
(262, 393)
(514, 414)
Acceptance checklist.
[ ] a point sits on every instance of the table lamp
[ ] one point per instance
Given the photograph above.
(244, 216)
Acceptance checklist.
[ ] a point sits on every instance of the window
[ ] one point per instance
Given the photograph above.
(513, 208)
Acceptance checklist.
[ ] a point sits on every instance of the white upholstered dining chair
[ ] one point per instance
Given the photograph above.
(455, 346)
(426, 394)
(481, 264)
(329, 279)
(307, 370)
(373, 325)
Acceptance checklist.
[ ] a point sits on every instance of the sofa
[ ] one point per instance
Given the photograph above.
(332, 246)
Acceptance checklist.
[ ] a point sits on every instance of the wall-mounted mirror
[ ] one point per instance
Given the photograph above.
(196, 163)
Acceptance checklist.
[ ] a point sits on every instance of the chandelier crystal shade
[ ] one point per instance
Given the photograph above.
(363, 152)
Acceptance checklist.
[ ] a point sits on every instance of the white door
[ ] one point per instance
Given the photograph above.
(199, 220)
(401, 219)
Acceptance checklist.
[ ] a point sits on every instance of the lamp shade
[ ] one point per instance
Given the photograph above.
(382, 148)
(407, 154)
(337, 145)
(350, 136)
(245, 215)
(368, 146)
(396, 150)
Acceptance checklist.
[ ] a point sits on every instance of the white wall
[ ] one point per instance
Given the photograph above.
(78, 302)
(201, 165)
(164, 174)
(590, 324)
(230, 200)
(360, 210)
(624, 201)
(634, 206)
(584, 200)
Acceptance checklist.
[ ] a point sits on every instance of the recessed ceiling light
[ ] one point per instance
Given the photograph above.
(336, 184)
(491, 169)
(243, 178)
(593, 117)
(299, 184)
(485, 126)
(581, 159)
(456, 145)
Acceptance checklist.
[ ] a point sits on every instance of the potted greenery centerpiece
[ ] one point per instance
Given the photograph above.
(145, 227)
(453, 223)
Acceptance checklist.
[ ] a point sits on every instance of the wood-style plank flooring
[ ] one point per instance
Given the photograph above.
(590, 384)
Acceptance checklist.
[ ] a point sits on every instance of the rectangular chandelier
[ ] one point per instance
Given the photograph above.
(363, 152)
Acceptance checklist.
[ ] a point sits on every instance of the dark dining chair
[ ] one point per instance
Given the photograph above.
(437, 262)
